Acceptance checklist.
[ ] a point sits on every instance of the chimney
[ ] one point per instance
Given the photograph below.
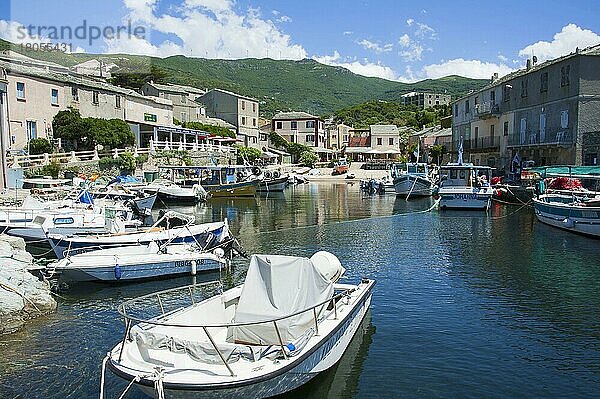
(528, 64)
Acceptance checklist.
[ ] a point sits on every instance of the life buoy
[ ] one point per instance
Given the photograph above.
(276, 174)
(267, 174)
(256, 171)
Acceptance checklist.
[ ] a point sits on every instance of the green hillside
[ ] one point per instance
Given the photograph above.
(279, 84)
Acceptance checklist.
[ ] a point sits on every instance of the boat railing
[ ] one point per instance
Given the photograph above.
(162, 298)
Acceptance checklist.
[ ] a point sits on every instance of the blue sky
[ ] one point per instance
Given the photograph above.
(394, 39)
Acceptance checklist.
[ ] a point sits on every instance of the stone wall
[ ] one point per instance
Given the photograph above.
(22, 295)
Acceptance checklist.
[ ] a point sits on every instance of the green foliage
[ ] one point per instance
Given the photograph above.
(52, 169)
(109, 163)
(134, 76)
(436, 153)
(277, 140)
(127, 162)
(308, 158)
(176, 122)
(249, 154)
(294, 149)
(173, 154)
(39, 146)
(85, 133)
(141, 159)
(363, 115)
(213, 129)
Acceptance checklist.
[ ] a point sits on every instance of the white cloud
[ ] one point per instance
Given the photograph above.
(412, 50)
(208, 28)
(15, 32)
(563, 42)
(284, 18)
(410, 21)
(365, 68)
(475, 69)
(425, 31)
(347, 32)
(378, 48)
(502, 58)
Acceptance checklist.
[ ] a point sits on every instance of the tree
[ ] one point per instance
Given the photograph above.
(248, 154)
(212, 129)
(39, 146)
(132, 79)
(309, 158)
(437, 152)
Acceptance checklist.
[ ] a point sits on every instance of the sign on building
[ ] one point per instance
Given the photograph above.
(150, 118)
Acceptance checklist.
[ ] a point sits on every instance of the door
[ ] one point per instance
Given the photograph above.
(542, 128)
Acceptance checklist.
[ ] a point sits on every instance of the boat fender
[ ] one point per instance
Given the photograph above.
(193, 268)
(276, 174)
(240, 176)
(267, 174)
(118, 272)
(291, 347)
(570, 223)
(256, 171)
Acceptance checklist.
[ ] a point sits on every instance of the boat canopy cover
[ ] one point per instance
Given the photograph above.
(277, 286)
(575, 171)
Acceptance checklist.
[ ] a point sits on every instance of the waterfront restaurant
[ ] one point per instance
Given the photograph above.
(178, 135)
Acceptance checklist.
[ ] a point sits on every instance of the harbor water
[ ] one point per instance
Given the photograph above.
(467, 304)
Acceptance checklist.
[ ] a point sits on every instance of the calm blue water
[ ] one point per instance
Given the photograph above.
(466, 305)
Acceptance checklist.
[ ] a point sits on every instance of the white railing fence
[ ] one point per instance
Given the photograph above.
(35, 161)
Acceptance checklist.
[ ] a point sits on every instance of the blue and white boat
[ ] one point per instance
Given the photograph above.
(569, 212)
(207, 235)
(465, 186)
(136, 262)
(288, 322)
(412, 179)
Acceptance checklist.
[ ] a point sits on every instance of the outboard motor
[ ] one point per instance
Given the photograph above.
(329, 265)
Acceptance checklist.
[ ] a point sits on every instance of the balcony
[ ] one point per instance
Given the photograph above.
(528, 139)
(485, 143)
(487, 109)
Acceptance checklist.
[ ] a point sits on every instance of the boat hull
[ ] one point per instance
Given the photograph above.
(466, 199)
(144, 271)
(576, 219)
(413, 185)
(245, 189)
(319, 359)
(273, 185)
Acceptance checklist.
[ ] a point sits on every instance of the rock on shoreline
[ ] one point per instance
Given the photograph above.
(22, 295)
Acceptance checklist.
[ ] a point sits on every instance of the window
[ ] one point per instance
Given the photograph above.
(391, 141)
(54, 96)
(243, 104)
(492, 130)
(253, 121)
(476, 132)
(564, 119)
(455, 109)
(310, 124)
(493, 96)
(95, 97)
(506, 128)
(75, 93)
(523, 88)
(506, 93)
(183, 117)
(21, 90)
(183, 98)
(292, 138)
(379, 141)
(542, 128)
(523, 130)
(310, 137)
(118, 101)
(564, 75)
(476, 100)
(278, 125)
(544, 82)
(294, 125)
(253, 107)
(243, 120)
(31, 130)
(467, 107)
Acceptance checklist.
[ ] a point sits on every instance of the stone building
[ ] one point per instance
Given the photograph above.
(186, 108)
(425, 100)
(548, 113)
(302, 128)
(241, 111)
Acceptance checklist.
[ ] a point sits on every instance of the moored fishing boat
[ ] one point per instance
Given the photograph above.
(289, 321)
(273, 181)
(412, 179)
(207, 235)
(168, 191)
(137, 262)
(465, 186)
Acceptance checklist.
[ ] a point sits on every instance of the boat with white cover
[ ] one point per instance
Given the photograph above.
(168, 191)
(289, 321)
(412, 179)
(207, 235)
(136, 262)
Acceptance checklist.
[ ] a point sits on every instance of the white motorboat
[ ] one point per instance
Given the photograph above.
(465, 186)
(207, 235)
(136, 262)
(168, 191)
(273, 181)
(289, 321)
(412, 179)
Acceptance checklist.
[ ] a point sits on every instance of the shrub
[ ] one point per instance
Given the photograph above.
(39, 146)
(127, 162)
(52, 169)
(309, 158)
(213, 129)
(108, 163)
(247, 153)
